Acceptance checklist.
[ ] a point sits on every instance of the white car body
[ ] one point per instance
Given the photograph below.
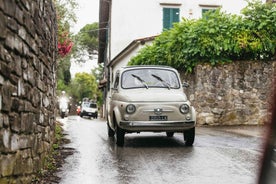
(89, 109)
(149, 98)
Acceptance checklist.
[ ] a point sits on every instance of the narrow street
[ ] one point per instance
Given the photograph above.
(217, 156)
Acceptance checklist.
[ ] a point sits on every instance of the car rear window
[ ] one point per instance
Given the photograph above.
(93, 105)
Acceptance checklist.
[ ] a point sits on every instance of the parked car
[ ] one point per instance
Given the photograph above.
(89, 109)
(149, 98)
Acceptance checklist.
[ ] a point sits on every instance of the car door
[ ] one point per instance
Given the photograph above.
(111, 103)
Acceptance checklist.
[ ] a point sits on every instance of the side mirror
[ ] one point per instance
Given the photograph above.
(185, 85)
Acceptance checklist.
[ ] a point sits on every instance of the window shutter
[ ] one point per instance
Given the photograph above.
(175, 15)
(170, 15)
(166, 18)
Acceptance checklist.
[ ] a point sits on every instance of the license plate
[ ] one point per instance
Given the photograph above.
(158, 118)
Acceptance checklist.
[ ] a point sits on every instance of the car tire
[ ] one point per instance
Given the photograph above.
(81, 115)
(120, 136)
(111, 132)
(169, 134)
(189, 136)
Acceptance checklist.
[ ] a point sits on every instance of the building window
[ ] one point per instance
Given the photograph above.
(205, 10)
(170, 16)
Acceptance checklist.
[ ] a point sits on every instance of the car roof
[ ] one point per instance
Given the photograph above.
(147, 66)
(89, 102)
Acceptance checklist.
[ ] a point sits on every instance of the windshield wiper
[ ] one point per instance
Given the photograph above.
(161, 80)
(141, 80)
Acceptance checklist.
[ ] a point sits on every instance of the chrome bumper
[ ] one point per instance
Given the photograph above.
(157, 125)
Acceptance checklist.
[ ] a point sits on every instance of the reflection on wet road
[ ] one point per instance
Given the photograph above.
(216, 157)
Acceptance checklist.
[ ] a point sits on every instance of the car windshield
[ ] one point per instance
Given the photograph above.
(150, 78)
(85, 104)
(89, 105)
(92, 105)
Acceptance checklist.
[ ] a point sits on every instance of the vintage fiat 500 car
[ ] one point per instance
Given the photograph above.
(149, 98)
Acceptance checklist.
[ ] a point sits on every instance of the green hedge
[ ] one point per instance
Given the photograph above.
(216, 38)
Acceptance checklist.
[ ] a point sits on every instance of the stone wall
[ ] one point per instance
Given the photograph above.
(232, 94)
(27, 87)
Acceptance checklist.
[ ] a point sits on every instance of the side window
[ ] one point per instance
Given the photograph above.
(170, 15)
(116, 82)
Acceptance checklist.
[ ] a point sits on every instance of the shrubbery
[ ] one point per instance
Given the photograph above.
(216, 38)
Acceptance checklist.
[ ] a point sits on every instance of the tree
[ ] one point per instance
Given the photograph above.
(65, 18)
(84, 86)
(86, 42)
(63, 74)
(261, 20)
(88, 37)
(98, 73)
(86, 46)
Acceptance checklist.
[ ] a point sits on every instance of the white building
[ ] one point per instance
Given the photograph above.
(134, 19)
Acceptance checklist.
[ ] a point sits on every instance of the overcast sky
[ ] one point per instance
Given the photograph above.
(87, 13)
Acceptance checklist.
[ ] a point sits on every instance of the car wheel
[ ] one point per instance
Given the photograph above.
(120, 136)
(81, 115)
(110, 131)
(170, 134)
(189, 136)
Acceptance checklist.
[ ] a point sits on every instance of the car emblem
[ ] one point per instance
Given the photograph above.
(158, 111)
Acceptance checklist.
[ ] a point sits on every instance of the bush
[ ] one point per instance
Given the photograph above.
(216, 38)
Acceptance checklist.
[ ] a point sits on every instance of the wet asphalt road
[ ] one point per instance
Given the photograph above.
(217, 157)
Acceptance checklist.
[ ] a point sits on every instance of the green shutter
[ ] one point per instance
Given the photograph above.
(166, 18)
(170, 15)
(175, 15)
(204, 11)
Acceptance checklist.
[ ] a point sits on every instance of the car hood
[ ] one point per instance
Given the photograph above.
(149, 95)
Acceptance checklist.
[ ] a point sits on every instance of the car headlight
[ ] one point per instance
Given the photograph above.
(130, 109)
(184, 109)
